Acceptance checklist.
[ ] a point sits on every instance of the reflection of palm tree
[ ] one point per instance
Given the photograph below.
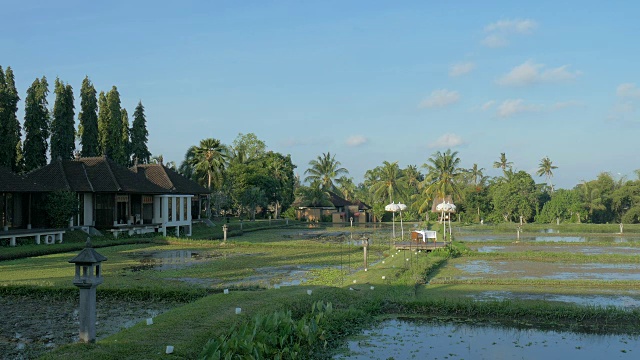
(324, 169)
(209, 160)
(502, 163)
(546, 168)
(442, 173)
(390, 181)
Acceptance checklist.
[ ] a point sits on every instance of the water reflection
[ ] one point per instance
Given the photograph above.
(429, 339)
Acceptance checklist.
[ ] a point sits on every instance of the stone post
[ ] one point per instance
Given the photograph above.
(224, 231)
(365, 244)
(87, 277)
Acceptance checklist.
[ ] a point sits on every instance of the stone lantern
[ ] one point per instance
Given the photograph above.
(88, 277)
(224, 231)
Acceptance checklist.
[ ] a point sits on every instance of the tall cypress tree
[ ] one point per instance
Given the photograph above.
(139, 136)
(9, 124)
(113, 144)
(103, 121)
(36, 125)
(63, 124)
(126, 144)
(88, 117)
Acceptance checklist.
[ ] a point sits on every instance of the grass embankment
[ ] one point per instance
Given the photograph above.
(210, 313)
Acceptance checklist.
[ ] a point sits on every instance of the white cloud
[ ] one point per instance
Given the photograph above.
(531, 73)
(461, 68)
(628, 90)
(499, 32)
(447, 141)
(512, 107)
(626, 107)
(495, 41)
(518, 26)
(356, 140)
(440, 98)
(566, 104)
(486, 106)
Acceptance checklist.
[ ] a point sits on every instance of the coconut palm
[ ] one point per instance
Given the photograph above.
(546, 168)
(313, 195)
(325, 169)
(346, 187)
(503, 163)
(390, 182)
(442, 172)
(208, 160)
(413, 178)
(476, 175)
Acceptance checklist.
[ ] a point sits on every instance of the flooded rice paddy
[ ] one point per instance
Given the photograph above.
(523, 269)
(582, 249)
(629, 301)
(430, 339)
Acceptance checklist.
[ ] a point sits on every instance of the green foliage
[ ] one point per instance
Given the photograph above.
(325, 169)
(443, 170)
(36, 125)
(114, 147)
(88, 117)
(139, 136)
(60, 206)
(273, 336)
(290, 213)
(103, 122)
(63, 124)
(514, 196)
(562, 206)
(9, 124)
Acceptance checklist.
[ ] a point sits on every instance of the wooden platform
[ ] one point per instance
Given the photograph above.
(425, 246)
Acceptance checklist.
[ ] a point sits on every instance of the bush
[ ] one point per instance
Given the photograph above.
(60, 206)
(273, 336)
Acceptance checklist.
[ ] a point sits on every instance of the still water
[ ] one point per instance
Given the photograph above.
(428, 339)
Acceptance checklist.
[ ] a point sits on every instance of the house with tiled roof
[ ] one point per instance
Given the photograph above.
(118, 199)
(340, 210)
(15, 197)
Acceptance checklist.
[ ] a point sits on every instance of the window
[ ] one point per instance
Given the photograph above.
(170, 211)
(185, 203)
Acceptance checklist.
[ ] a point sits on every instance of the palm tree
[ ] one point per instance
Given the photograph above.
(476, 174)
(325, 169)
(592, 198)
(442, 172)
(346, 187)
(413, 178)
(313, 195)
(502, 163)
(546, 168)
(390, 181)
(208, 160)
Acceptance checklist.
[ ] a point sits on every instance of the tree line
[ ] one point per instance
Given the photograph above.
(243, 177)
(103, 127)
(513, 196)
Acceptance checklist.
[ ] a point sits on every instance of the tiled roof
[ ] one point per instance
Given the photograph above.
(94, 174)
(10, 182)
(337, 201)
(169, 179)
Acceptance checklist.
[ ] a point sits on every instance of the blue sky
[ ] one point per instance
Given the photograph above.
(369, 81)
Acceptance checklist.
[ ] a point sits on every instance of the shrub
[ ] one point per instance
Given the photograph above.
(60, 206)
